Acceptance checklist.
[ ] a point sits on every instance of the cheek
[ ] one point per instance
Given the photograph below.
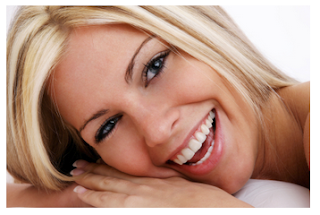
(126, 153)
(189, 80)
(241, 153)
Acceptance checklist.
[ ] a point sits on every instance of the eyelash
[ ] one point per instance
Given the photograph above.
(111, 123)
(100, 135)
(160, 56)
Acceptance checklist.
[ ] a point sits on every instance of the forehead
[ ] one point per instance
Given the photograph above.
(112, 35)
(95, 61)
(104, 42)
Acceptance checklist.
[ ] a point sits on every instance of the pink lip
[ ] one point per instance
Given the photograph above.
(214, 158)
(187, 139)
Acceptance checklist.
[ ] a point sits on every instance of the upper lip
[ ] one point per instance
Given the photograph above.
(186, 140)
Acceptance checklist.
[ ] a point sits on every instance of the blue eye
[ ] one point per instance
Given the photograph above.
(106, 128)
(154, 66)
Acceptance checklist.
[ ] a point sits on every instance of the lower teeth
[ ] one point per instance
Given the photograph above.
(206, 156)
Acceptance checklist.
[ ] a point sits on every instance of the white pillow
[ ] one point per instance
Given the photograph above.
(274, 194)
(9, 178)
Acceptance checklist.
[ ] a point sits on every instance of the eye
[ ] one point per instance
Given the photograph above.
(155, 66)
(106, 128)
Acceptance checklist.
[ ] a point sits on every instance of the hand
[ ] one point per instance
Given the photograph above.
(26, 195)
(105, 186)
(67, 198)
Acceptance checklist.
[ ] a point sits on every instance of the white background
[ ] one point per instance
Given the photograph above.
(281, 33)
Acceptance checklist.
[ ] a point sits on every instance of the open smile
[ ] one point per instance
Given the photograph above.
(194, 154)
(203, 150)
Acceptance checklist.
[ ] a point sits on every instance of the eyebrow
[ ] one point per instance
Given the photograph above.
(93, 117)
(128, 78)
(129, 71)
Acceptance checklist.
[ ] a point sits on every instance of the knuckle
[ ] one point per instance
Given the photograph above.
(87, 195)
(86, 175)
(131, 201)
(103, 198)
(105, 182)
(93, 167)
(82, 178)
(145, 188)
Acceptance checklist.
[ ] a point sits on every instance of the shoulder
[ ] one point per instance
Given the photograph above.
(297, 98)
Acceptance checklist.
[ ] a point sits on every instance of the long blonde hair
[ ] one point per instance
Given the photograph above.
(37, 136)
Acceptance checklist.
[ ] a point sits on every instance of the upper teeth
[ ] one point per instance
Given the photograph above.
(196, 143)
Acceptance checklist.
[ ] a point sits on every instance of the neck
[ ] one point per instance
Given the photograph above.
(281, 153)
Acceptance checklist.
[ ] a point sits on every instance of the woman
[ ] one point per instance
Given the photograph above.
(159, 94)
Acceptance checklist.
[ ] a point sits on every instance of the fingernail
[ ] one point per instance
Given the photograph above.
(79, 189)
(80, 163)
(76, 172)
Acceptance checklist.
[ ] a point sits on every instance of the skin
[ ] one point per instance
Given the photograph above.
(87, 73)
(288, 159)
(26, 195)
(158, 118)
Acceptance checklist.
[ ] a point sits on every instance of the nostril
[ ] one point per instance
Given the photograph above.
(174, 124)
(172, 117)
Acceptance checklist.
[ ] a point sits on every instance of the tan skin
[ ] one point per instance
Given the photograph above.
(151, 182)
(91, 78)
(286, 161)
(69, 198)
(290, 156)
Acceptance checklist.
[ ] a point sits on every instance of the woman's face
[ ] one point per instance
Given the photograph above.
(144, 108)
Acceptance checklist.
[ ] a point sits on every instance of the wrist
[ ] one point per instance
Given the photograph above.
(68, 198)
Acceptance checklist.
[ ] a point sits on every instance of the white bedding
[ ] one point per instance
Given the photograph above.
(274, 194)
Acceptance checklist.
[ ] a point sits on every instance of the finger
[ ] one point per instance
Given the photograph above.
(100, 169)
(100, 198)
(106, 183)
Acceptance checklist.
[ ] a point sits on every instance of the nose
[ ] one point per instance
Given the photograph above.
(154, 119)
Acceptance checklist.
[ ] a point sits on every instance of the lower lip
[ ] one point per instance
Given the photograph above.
(209, 164)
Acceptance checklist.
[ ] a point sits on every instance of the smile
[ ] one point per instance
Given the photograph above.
(193, 154)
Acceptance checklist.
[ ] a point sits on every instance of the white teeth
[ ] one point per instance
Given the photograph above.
(211, 147)
(205, 129)
(206, 156)
(212, 115)
(187, 153)
(182, 158)
(199, 162)
(208, 123)
(196, 143)
(201, 137)
(177, 161)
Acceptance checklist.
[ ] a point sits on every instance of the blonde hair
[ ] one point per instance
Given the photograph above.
(36, 134)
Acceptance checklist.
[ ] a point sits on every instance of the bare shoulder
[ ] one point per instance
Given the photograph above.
(297, 98)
